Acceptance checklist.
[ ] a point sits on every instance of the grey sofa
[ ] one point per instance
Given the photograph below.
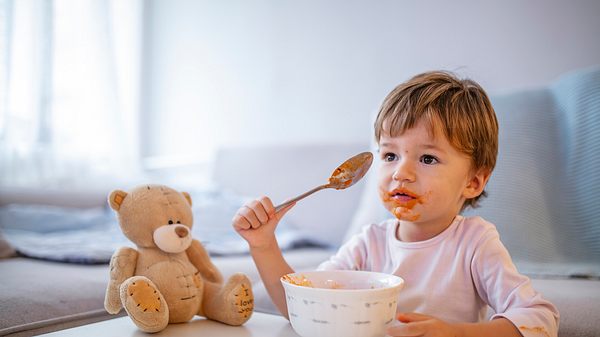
(546, 215)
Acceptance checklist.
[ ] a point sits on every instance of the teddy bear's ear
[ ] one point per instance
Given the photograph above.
(116, 199)
(187, 197)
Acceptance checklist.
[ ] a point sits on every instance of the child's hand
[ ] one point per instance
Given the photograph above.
(256, 222)
(421, 325)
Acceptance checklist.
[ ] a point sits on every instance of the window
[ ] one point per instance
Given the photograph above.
(68, 91)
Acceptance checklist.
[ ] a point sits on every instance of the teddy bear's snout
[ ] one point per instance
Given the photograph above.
(172, 238)
(181, 231)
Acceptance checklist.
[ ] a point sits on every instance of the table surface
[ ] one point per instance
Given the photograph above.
(260, 324)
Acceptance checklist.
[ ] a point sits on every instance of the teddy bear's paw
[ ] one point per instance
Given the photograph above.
(144, 304)
(240, 297)
(144, 296)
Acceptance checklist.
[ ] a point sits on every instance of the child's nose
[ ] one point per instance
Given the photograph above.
(404, 172)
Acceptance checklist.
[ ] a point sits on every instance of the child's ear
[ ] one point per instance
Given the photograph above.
(476, 184)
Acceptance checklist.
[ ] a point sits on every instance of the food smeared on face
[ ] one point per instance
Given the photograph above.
(401, 202)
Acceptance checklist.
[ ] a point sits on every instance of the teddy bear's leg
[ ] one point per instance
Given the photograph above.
(231, 303)
(144, 304)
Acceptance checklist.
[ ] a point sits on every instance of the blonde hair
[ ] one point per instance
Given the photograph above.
(460, 107)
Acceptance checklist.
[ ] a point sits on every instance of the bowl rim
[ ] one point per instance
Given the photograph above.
(400, 284)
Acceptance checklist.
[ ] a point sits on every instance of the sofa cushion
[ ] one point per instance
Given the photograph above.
(35, 294)
(41, 296)
(577, 301)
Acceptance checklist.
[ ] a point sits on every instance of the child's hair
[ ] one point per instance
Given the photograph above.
(461, 108)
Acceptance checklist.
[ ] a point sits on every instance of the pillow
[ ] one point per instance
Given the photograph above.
(214, 209)
(543, 195)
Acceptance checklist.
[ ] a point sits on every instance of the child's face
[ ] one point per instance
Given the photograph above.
(423, 179)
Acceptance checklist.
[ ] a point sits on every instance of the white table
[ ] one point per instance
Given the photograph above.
(259, 325)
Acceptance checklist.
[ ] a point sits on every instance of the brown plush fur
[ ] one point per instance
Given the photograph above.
(157, 286)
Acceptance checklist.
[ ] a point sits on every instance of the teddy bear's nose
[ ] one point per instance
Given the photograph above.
(181, 231)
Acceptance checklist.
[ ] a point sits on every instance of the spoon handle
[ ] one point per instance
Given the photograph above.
(301, 196)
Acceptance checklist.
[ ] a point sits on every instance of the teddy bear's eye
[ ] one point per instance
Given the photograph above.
(178, 221)
(170, 222)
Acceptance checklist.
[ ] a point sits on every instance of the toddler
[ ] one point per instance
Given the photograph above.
(438, 139)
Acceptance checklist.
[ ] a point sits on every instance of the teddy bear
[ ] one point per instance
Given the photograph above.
(169, 278)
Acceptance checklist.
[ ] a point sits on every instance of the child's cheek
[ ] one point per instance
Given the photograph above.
(386, 200)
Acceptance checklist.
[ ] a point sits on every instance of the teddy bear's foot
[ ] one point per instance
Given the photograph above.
(144, 304)
(234, 303)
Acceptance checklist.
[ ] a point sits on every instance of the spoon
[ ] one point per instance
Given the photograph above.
(344, 176)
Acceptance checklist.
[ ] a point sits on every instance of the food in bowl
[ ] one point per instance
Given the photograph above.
(341, 303)
(299, 280)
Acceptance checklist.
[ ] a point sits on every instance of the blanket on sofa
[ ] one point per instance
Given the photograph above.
(90, 236)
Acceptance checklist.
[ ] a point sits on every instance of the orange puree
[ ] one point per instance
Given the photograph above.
(297, 280)
(404, 213)
(403, 209)
(535, 329)
(344, 173)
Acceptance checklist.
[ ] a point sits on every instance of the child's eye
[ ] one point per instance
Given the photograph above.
(389, 157)
(429, 159)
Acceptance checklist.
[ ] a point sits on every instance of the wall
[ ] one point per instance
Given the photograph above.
(253, 72)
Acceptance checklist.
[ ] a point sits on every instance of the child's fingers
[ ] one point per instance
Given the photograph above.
(239, 222)
(267, 205)
(406, 330)
(250, 215)
(259, 210)
(406, 317)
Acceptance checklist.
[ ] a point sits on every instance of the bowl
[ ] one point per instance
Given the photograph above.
(341, 303)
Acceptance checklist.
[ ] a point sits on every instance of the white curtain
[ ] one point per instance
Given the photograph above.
(69, 97)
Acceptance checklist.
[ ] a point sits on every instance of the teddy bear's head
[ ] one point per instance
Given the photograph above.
(155, 216)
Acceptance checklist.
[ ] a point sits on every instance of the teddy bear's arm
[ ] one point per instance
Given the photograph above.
(201, 260)
(122, 267)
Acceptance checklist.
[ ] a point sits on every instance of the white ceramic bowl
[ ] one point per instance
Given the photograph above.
(341, 303)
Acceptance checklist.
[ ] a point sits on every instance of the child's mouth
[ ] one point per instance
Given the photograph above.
(401, 202)
(403, 195)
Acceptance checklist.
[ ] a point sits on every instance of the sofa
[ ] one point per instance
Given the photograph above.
(543, 197)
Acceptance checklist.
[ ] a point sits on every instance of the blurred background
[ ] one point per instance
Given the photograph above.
(96, 93)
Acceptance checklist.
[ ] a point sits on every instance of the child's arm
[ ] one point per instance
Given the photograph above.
(256, 222)
(422, 325)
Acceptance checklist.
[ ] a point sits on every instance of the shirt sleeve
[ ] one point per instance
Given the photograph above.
(510, 293)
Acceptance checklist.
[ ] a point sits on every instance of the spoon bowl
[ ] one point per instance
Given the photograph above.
(344, 176)
(351, 171)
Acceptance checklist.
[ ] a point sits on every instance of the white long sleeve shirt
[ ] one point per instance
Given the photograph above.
(453, 276)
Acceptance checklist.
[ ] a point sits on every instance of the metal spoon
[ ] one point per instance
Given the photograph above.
(344, 176)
